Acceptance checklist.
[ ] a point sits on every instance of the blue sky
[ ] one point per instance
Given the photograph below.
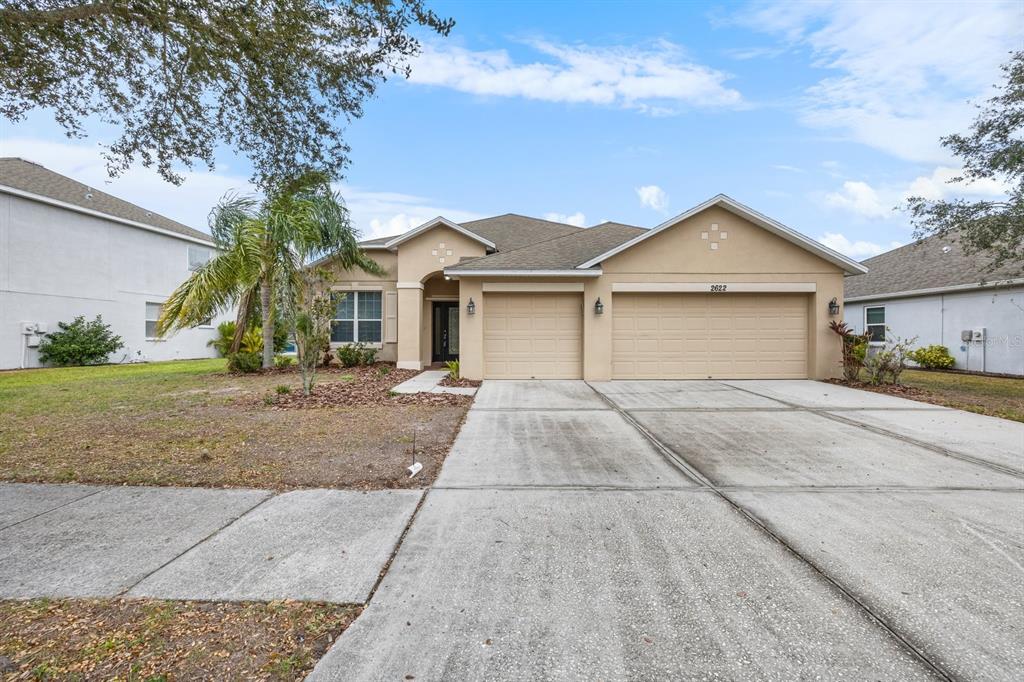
(822, 115)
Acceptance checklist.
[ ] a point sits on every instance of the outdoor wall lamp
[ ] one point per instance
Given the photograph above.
(599, 307)
(471, 307)
(833, 306)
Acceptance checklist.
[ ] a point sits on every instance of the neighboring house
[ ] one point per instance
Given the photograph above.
(67, 249)
(719, 291)
(932, 290)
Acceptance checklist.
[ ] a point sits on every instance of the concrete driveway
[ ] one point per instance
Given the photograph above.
(706, 529)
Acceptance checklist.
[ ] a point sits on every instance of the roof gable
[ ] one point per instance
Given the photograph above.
(847, 265)
(437, 222)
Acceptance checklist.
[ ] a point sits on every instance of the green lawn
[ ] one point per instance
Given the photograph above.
(996, 396)
(190, 422)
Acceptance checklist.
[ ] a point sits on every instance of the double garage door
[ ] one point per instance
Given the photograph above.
(655, 336)
(701, 336)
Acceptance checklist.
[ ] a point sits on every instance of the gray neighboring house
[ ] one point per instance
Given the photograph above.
(932, 290)
(67, 249)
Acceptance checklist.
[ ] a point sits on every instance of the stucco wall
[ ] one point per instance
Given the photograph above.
(940, 319)
(344, 279)
(56, 264)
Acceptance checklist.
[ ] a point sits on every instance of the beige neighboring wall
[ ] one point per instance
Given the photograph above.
(357, 279)
(748, 254)
(419, 259)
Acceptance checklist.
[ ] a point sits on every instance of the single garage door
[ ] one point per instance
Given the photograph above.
(718, 336)
(533, 336)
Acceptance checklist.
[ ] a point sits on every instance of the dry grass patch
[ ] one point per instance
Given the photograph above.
(191, 423)
(119, 639)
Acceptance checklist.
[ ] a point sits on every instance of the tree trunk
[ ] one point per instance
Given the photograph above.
(268, 325)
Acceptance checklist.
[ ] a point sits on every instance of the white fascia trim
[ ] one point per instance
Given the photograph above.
(706, 287)
(789, 234)
(409, 285)
(938, 290)
(455, 274)
(374, 247)
(105, 216)
(540, 287)
(430, 224)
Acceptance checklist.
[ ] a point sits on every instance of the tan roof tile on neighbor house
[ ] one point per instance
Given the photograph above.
(31, 177)
(932, 263)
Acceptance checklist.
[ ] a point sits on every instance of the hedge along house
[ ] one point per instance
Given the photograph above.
(719, 291)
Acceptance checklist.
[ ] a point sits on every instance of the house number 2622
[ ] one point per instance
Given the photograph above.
(717, 288)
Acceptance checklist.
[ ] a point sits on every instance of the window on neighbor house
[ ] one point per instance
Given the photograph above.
(198, 257)
(152, 315)
(874, 323)
(357, 317)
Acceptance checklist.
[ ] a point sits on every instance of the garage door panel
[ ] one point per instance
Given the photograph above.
(697, 336)
(533, 336)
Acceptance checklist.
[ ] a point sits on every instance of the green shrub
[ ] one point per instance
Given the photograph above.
(245, 362)
(79, 343)
(283, 361)
(225, 335)
(885, 364)
(932, 357)
(384, 370)
(353, 354)
(453, 368)
(281, 389)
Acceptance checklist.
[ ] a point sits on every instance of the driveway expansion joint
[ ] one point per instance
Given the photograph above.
(764, 527)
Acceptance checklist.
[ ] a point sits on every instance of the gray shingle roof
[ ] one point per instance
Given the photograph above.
(36, 179)
(932, 263)
(511, 231)
(560, 253)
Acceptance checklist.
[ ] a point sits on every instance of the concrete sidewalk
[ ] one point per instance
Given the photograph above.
(195, 543)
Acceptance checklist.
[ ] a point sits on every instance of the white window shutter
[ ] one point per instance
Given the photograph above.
(391, 317)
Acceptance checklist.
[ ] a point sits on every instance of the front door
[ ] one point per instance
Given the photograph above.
(446, 332)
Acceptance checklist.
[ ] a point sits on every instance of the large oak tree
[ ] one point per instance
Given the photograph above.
(273, 79)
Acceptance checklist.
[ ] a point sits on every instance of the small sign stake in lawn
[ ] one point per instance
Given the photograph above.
(416, 466)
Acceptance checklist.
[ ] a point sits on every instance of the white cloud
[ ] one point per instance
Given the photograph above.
(656, 80)
(937, 186)
(902, 71)
(577, 218)
(788, 169)
(373, 213)
(653, 197)
(860, 198)
(855, 249)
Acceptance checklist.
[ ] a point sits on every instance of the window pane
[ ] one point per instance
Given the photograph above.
(369, 332)
(150, 329)
(341, 332)
(197, 256)
(344, 305)
(453, 330)
(877, 332)
(369, 305)
(876, 315)
(153, 311)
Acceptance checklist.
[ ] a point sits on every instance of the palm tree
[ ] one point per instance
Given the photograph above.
(264, 247)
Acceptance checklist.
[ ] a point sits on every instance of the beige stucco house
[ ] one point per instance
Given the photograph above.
(719, 291)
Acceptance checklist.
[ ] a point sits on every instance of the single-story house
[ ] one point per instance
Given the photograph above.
(934, 291)
(68, 249)
(719, 291)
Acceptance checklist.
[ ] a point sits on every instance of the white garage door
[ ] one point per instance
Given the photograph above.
(718, 336)
(533, 336)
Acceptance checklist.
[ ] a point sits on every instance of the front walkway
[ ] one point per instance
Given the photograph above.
(429, 381)
(662, 530)
(195, 543)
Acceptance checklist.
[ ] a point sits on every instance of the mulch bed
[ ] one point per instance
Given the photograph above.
(461, 383)
(149, 639)
(360, 386)
(909, 392)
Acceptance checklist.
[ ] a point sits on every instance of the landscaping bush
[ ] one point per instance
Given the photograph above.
(245, 362)
(79, 343)
(453, 369)
(855, 347)
(885, 365)
(283, 361)
(932, 357)
(354, 354)
(225, 335)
